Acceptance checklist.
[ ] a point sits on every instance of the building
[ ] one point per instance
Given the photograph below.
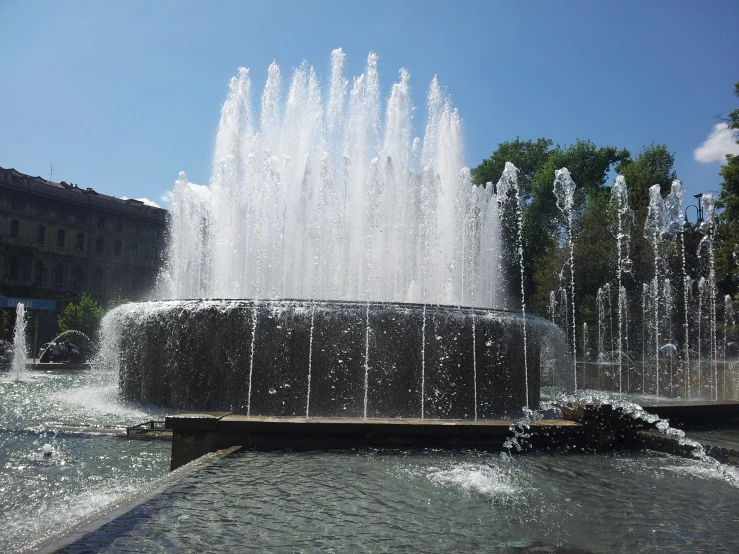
(58, 240)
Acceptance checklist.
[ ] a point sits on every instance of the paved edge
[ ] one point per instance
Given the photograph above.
(169, 480)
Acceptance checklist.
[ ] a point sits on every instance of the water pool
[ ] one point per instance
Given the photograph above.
(430, 501)
(90, 469)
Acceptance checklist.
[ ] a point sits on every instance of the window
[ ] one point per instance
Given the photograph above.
(82, 217)
(78, 279)
(79, 244)
(100, 246)
(135, 228)
(15, 227)
(97, 281)
(134, 251)
(58, 276)
(117, 249)
(41, 234)
(61, 238)
(152, 254)
(114, 285)
(153, 232)
(119, 226)
(13, 267)
(101, 222)
(38, 274)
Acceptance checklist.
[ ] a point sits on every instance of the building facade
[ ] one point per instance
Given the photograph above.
(58, 240)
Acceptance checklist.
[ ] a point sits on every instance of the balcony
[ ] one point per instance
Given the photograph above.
(16, 281)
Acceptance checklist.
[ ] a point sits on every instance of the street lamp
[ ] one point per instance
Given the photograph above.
(698, 209)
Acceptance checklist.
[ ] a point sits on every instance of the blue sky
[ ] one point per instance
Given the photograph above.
(121, 96)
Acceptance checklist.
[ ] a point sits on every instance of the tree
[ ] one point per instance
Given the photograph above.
(728, 228)
(589, 166)
(4, 324)
(84, 317)
(117, 301)
(652, 166)
(729, 195)
(528, 156)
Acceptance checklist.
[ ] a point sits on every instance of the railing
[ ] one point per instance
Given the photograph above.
(16, 281)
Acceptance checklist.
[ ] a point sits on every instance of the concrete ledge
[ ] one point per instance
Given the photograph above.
(195, 434)
(48, 366)
(197, 421)
(696, 412)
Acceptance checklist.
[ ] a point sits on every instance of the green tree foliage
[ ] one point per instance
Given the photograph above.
(84, 316)
(4, 324)
(528, 156)
(730, 174)
(652, 166)
(117, 301)
(727, 231)
(546, 250)
(537, 161)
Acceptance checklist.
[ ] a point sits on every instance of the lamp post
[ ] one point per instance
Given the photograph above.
(698, 209)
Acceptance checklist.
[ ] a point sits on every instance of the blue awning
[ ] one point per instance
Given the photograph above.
(28, 303)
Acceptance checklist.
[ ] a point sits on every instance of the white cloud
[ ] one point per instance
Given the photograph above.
(149, 202)
(720, 142)
(145, 201)
(197, 192)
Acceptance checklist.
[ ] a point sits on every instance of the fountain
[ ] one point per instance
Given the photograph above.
(20, 352)
(362, 275)
(360, 267)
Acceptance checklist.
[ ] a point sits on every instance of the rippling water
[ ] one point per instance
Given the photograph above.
(387, 501)
(41, 497)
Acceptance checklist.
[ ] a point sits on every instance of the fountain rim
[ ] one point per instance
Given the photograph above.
(307, 302)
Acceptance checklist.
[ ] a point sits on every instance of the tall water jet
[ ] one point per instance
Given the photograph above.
(707, 227)
(605, 323)
(623, 306)
(508, 193)
(620, 197)
(687, 297)
(653, 229)
(669, 306)
(702, 290)
(728, 323)
(678, 197)
(564, 190)
(552, 306)
(644, 333)
(20, 352)
(674, 225)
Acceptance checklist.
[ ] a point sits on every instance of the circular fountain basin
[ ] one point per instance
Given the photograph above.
(328, 358)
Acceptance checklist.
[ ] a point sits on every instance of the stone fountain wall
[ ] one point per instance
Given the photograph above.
(198, 355)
